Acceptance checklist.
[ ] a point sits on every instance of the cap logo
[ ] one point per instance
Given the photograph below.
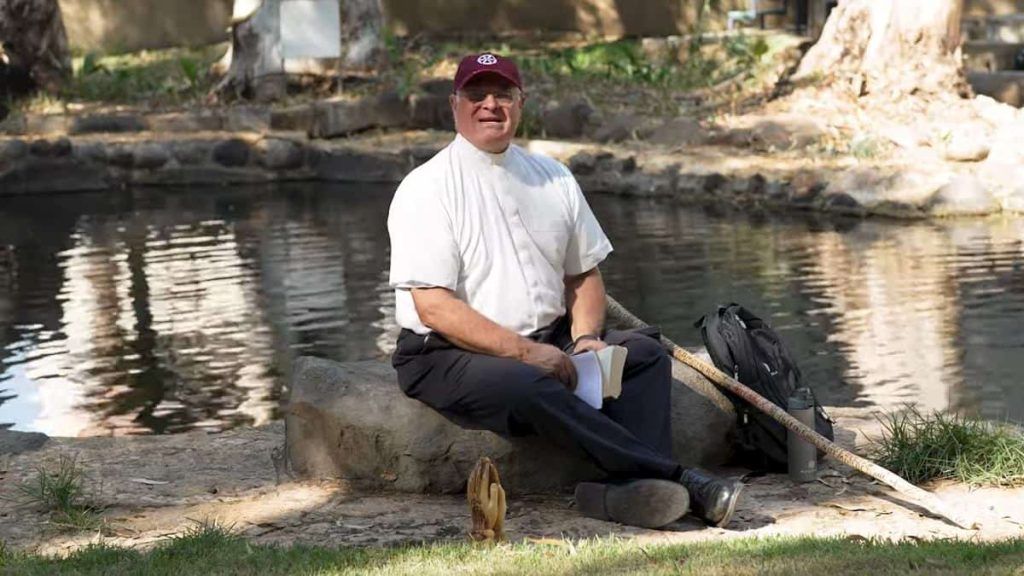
(487, 59)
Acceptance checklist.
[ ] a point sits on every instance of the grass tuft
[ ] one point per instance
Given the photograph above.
(950, 447)
(61, 492)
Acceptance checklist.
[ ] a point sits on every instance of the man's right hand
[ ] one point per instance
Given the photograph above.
(553, 361)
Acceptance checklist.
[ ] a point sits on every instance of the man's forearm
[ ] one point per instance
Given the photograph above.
(585, 300)
(442, 312)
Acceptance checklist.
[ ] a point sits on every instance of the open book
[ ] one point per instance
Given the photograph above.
(599, 374)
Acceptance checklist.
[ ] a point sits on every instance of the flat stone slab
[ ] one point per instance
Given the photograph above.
(351, 421)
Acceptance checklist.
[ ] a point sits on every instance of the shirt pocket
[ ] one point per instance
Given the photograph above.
(550, 234)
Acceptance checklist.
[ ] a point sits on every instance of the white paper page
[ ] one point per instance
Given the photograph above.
(588, 378)
(612, 359)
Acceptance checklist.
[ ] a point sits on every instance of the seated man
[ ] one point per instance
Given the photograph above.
(494, 255)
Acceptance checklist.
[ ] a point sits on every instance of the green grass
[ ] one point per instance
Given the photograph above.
(152, 77)
(941, 446)
(61, 492)
(210, 549)
(619, 74)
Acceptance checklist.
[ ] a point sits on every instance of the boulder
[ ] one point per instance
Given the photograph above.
(785, 132)
(1006, 148)
(676, 132)
(568, 119)
(966, 144)
(11, 150)
(964, 195)
(232, 153)
(151, 155)
(279, 154)
(619, 128)
(12, 442)
(350, 420)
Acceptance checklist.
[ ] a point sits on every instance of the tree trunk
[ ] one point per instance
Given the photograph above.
(362, 25)
(254, 66)
(890, 47)
(33, 47)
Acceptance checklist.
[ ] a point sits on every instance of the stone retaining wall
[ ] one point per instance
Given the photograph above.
(771, 161)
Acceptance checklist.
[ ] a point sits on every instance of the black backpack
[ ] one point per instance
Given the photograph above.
(746, 348)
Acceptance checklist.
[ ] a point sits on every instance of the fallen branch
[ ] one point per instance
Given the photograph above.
(926, 499)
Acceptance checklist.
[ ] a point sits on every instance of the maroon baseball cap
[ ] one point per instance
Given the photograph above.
(484, 63)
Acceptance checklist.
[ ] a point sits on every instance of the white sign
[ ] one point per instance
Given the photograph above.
(310, 29)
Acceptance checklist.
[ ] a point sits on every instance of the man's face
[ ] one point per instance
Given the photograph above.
(487, 110)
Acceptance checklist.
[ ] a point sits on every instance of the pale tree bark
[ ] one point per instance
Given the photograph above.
(254, 66)
(362, 27)
(33, 46)
(890, 48)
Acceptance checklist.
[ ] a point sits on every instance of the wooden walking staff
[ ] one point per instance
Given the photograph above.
(926, 499)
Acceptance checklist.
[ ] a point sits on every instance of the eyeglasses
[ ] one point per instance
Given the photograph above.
(503, 96)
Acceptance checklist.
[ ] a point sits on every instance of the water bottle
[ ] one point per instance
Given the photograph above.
(803, 456)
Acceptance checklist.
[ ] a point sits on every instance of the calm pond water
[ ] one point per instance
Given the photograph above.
(164, 311)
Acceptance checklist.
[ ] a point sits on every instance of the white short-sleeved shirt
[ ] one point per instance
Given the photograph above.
(500, 230)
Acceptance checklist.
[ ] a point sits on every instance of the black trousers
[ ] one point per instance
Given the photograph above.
(630, 437)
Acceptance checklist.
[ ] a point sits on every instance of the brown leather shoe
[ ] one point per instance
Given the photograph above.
(647, 503)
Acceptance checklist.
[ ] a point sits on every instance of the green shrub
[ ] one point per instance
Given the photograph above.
(942, 446)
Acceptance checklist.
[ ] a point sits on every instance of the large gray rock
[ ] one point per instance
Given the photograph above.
(964, 195)
(676, 132)
(12, 442)
(785, 132)
(966, 144)
(619, 128)
(351, 421)
(11, 150)
(568, 119)
(279, 154)
(151, 155)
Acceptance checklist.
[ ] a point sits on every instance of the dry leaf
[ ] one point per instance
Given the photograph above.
(486, 500)
(149, 482)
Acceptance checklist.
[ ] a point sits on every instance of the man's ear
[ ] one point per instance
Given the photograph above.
(452, 100)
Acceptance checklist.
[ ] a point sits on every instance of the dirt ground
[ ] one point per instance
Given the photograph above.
(154, 487)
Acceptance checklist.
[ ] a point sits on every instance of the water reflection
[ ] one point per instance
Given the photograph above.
(171, 311)
(163, 311)
(878, 313)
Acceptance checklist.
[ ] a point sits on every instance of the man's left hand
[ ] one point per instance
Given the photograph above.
(589, 344)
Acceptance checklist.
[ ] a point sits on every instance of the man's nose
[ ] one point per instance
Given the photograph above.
(490, 101)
